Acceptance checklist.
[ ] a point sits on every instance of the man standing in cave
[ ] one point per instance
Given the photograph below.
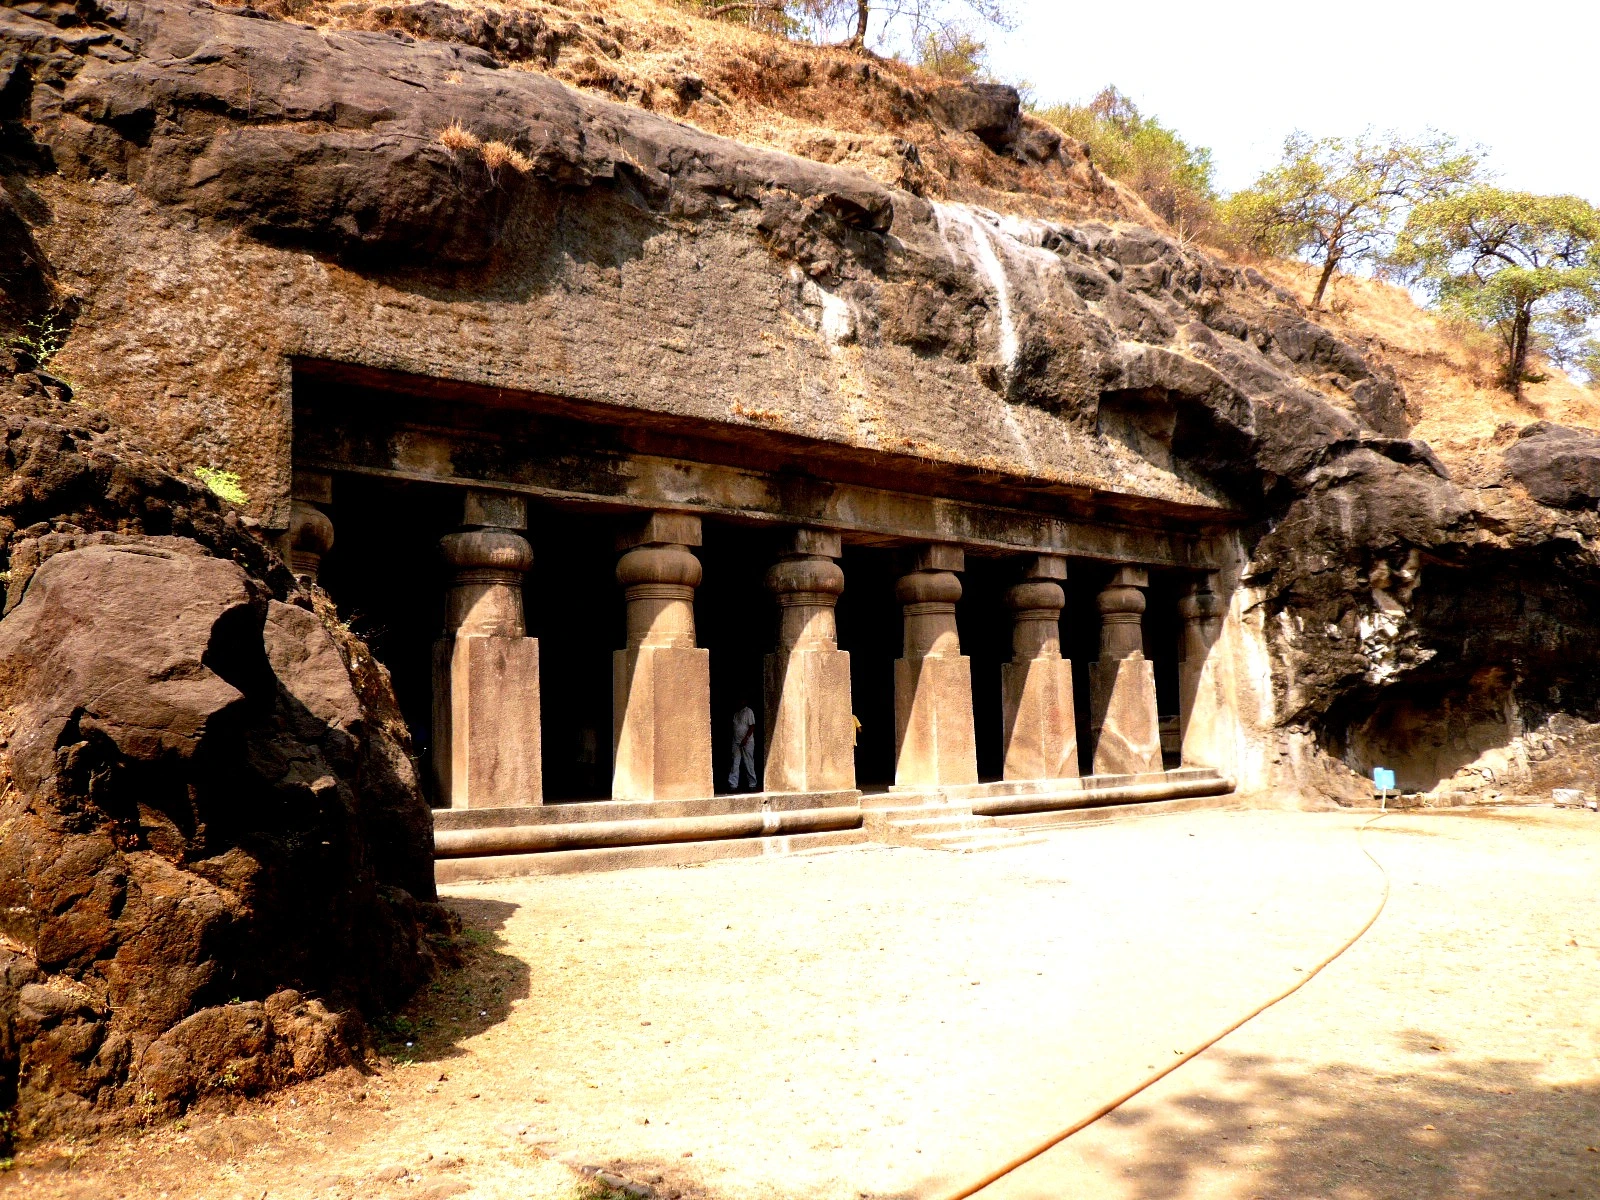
(744, 751)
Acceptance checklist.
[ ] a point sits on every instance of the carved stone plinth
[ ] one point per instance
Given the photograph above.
(661, 683)
(486, 739)
(1122, 684)
(810, 743)
(1202, 710)
(1040, 727)
(934, 742)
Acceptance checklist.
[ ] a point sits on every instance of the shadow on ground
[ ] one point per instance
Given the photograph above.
(1463, 1128)
(465, 999)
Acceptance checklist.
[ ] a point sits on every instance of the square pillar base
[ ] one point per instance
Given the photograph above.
(1041, 732)
(933, 736)
(1127, 725)
(661, 723)
(486, 741)
(1206, 721)
(810, 735)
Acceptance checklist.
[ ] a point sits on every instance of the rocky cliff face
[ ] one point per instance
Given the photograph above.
(207, 194)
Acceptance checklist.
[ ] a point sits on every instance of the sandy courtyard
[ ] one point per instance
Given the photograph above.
(891, 1023)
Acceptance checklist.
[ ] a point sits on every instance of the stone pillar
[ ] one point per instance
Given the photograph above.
(810, 735)
(934, 742)
(1122, 684)
(486, 740)
(661, 683)
(310, 531)
(1201, 611)
(1041, 733)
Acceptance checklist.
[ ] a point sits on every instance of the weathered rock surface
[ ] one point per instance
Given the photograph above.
(222, 193)
(214, 857)
(1559, 466)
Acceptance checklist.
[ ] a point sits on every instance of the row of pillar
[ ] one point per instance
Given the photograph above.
(486, 669)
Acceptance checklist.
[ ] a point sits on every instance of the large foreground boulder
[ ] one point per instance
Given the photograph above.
(214, 856)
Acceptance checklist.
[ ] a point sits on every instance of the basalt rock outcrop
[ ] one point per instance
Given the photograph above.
(642, 262)
(214, 856)
(211, 196)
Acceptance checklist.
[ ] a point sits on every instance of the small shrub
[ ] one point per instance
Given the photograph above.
(498, 154)
(457, 138)
(1174, 178)
(41, 340)
(951, 52)
(224, 485)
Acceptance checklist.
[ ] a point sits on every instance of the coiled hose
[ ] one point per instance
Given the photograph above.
(1111, 1106)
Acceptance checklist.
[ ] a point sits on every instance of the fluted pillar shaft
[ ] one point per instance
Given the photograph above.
(1199, 704)
(1040, 728)
(486, 737)
(661, 682)
(934, 740)
(810, 744)
(1124, 718)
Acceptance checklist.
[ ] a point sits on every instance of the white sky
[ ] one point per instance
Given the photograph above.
(1238, 75)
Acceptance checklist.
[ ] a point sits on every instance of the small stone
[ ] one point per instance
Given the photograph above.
(610, 1180)
(393, 1173)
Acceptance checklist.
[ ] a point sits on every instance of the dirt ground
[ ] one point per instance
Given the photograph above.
(891, 1023)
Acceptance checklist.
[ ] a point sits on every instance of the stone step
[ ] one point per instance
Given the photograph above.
(1069, 817)
(674, 854)
(981, 839)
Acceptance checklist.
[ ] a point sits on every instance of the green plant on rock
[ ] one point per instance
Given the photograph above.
(41, 340)
(1338, 201)
(1524, 266)
(225, 485)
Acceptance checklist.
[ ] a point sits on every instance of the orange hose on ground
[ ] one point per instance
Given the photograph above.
(1083, 1123)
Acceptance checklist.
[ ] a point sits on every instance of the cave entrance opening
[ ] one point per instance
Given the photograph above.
(1080, 642)
(385, 574)
(870, 629)
(574, 607)
(736, 620)
(984, 621)
(1163, 644)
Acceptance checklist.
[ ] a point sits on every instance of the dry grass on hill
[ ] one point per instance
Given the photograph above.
(1448, 369)
(825, 103)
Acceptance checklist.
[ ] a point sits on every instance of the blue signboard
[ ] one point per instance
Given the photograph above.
(1383, 779)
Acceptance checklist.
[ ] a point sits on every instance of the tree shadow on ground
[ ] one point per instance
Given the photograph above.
(465, 998)
(1455, 1129)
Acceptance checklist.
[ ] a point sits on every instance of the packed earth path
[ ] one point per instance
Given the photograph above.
(893, 1022)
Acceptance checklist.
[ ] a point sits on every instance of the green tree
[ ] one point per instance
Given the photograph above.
(1525, 266)
(1175, 178)
(952, 52)
(1338, 201)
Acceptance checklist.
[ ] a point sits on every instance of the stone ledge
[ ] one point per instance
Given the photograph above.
(563, 812)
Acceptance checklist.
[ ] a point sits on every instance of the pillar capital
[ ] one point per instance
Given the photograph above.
(662, 529)
(1199, 601)
(938, 556)
(487, 566)
(501, 510)
(310, 537)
